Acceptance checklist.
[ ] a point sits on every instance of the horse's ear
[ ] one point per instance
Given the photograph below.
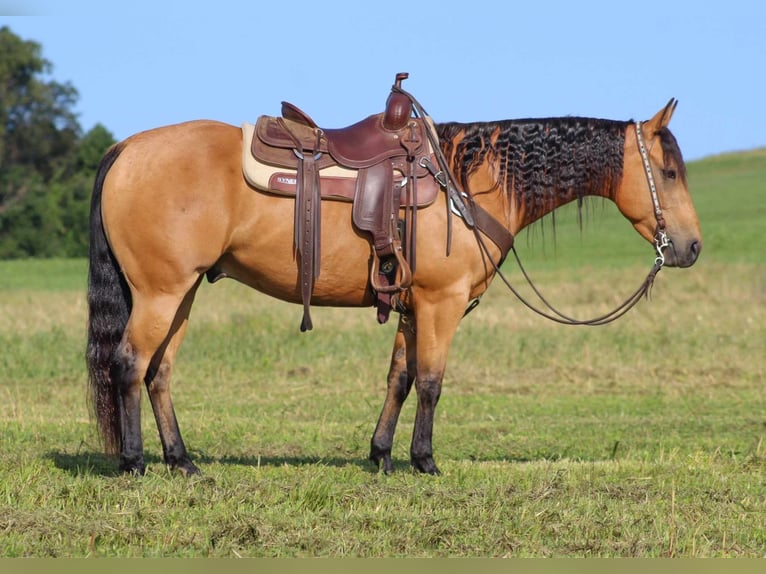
(662, 118)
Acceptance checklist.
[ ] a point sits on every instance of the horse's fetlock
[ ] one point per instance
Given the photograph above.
(378, 450)
(186, 467)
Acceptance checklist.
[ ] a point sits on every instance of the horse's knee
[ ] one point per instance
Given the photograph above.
(158, 380)
(429, 389)
(400, 384)
(123, 367)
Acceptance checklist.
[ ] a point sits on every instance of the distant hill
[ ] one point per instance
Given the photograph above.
(729, 191)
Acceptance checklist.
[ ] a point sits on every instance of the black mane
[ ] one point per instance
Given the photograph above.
(541, 162)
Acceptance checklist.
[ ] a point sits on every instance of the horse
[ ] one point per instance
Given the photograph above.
(170, 206)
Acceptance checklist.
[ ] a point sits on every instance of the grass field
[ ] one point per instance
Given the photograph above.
(643, 438)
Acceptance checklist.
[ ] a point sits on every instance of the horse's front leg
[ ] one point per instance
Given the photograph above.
(436, 325)
(401, 374)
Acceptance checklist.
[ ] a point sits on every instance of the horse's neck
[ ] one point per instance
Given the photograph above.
(514, 205)
(520, 183)
(521, 170)
(534, 205)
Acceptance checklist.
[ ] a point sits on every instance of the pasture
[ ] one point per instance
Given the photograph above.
(643, 438)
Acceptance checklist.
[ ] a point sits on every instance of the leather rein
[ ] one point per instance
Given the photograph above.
(480, 221)
(661, 242)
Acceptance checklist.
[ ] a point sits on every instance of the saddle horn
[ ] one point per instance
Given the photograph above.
(398, 106)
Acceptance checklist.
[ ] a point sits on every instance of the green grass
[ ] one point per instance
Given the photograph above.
(643, 438)
(44, 275)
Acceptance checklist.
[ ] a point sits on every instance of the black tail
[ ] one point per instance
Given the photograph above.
(109, 305)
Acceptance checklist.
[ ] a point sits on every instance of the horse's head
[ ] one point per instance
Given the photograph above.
(653, 194)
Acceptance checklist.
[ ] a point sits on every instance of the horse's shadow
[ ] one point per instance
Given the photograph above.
(92, 463)
(99, 464)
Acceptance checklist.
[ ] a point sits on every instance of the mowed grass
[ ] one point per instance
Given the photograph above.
(642, 438)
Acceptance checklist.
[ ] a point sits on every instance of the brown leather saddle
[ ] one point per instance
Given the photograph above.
(375, 163)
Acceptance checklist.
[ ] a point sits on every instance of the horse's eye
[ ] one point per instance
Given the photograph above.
(669, 173)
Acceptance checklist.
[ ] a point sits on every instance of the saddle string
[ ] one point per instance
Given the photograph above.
(475, 216)
(411, 218)
(307, 219)
(443, 175)
(468, 209)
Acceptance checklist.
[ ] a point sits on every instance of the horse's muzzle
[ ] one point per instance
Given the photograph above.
(683, 253)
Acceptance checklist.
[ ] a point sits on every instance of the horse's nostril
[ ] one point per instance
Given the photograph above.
(695, 248)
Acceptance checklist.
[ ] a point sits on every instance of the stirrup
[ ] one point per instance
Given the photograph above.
(403, 271)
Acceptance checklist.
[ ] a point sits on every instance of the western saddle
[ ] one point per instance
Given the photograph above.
(380, 164)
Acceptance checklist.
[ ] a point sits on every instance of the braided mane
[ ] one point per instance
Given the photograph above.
(540, 163)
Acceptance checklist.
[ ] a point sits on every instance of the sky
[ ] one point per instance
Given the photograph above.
(143, 64)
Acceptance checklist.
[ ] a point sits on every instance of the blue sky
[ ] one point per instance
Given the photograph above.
(142, 64)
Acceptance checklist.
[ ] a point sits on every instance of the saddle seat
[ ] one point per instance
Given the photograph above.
(374, 163)
(357, 146)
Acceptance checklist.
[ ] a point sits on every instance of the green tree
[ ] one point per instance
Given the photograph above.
(46, 164)
(37, 125)
(74, 194)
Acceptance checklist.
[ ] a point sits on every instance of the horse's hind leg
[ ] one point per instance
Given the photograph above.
(152, 337)
(124, 372)
(400, 377)
(158, 385)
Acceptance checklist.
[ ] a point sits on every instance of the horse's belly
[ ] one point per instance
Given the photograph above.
(343, 279)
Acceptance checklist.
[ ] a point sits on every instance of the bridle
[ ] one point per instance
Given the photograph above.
(478, 220)
(661, 242)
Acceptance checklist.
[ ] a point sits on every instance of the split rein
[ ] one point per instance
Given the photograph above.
(660, 243)
(466, 209)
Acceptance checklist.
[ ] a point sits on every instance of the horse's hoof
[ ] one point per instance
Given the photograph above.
(189, 470)
(133, 467)
(425, 465)
(185, 467)
(383, 462)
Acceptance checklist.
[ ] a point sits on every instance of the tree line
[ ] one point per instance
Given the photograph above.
(47, 163)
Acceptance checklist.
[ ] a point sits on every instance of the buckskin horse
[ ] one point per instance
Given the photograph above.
(171, 206)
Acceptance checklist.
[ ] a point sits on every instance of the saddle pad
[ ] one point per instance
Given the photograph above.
(283, 181)
(338, 183)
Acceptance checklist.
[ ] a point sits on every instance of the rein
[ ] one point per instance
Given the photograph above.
(660, 243)
(479, 220)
